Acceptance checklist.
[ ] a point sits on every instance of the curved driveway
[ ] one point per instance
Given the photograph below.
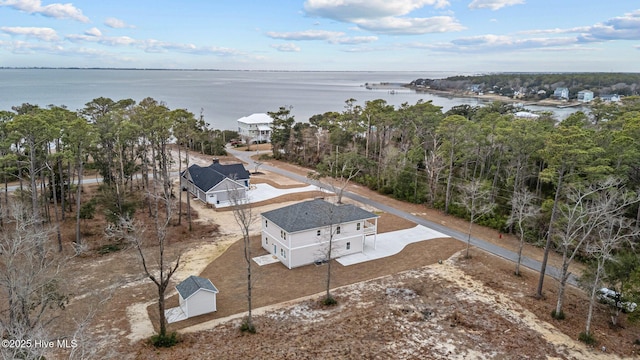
(479, 243)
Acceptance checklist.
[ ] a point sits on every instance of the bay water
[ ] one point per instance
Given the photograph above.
(221, 97)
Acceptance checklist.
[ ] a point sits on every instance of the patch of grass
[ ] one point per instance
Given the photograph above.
(587, 338)
(329, 301)
(247, 327)
(165, 341)
(558, 316)
(109, 248)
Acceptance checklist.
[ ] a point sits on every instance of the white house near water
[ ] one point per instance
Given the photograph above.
(300, 234)
(197, 296)
(561, 93)
(255, 127)
(585, 96)
(212, 184)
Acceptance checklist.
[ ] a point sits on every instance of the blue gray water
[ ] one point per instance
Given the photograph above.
(221, 96)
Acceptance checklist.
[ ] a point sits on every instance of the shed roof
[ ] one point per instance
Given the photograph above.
(258, 118)
(315, 214)
(209, 176)
(192, 284)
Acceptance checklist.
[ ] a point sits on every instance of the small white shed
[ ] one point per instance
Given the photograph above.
(197, 296)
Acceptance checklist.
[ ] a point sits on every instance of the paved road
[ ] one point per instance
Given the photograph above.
(479, 243)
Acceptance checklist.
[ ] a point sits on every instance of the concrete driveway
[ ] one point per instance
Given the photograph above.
(390, 243)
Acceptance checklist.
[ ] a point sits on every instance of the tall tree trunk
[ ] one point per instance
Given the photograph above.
(447, 199)
(547, 247)
(179, 184)
(61, 178)
(55, 207)
(78, 240)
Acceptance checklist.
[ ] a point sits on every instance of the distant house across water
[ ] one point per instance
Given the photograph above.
(561, 93)
(585, 96)
(610, 97)
(255, 128)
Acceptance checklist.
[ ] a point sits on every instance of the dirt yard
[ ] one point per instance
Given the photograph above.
(408, 306)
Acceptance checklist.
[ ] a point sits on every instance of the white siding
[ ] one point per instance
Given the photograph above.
(220, 192)
(201, 302)
(306, 247)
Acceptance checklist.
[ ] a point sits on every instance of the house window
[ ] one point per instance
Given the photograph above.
(338, 230)
(358, 226)
(281, 234)
(266, 223)
(348, 246)
(266, 240)
(282, 253)
(318, 233)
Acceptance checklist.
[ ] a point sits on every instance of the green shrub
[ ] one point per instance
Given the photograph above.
(558, 316)
(587, 338)
(329, 301)
(165, 341)
(247, 327)
(109, 248)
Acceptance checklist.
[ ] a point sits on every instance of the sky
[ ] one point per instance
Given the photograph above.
(324, 35)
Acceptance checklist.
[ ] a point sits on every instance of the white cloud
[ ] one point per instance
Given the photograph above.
(150, 45)
(354, 40)
(626, 27)
(411, 26)
(286, 47)
(94, 32)
(56, 10)
(493, 4)
(45, 34)
(117, 23)
(348, 10)
(383, 16)
(483, 43)
(305, 35)
(104, 40)
(332, 37)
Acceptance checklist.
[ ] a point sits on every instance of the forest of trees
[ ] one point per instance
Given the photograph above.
(579, 177)
(540, 85)
(569, 186)
(44, 155)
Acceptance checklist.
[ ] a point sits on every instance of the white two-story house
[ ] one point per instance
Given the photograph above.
(255, 128)
(300, 234)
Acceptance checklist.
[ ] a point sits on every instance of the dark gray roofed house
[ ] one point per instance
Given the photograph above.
(315, 213)
(211, 184)
(197, 296)
(299, 234)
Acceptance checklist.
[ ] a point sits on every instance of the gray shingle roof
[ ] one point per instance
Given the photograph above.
(315, 214)
(192, 284)
(209, 176)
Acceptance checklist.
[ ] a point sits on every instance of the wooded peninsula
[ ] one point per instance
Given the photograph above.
(535, 86)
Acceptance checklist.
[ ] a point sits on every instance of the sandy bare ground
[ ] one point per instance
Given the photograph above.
(433, 312)
(413, 307)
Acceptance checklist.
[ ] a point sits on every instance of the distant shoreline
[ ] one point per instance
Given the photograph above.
(500, 98)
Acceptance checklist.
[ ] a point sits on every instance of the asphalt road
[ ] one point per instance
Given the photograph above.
(479, 243)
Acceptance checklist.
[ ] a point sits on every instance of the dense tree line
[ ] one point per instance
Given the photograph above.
(467, 157)
(44, 153)
(625, 84)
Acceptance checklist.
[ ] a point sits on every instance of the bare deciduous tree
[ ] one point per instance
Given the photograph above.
(585, 212)
(523, 209)
(242, 211)
(476, 199)
(615, 231)
(151, 247)
(29, 282)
